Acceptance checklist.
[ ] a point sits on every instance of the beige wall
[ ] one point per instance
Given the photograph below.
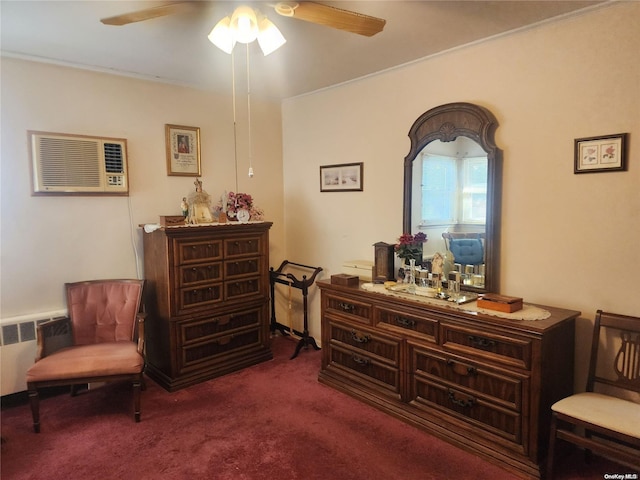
(567, 240)
(47, 241)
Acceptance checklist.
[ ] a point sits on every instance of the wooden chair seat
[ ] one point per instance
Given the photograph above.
(88, 361)
(604, 411)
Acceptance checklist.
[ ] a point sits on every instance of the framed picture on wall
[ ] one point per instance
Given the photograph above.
(183, 150)
(346, 177)
(600, 154)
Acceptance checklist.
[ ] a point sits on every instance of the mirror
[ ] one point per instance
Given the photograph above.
(453, 150)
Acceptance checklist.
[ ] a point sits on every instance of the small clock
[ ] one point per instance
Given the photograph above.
(243, 215)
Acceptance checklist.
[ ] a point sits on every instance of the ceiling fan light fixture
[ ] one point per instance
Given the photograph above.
(269, 37)
(244, 24)
(222, 35)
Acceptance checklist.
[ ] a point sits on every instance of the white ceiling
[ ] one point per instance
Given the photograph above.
(175, 49)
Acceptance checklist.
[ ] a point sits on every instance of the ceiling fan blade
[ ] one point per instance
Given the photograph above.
(333, 17)
(148, 13)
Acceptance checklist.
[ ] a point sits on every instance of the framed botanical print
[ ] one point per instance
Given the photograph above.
(600, 154)
(183, 150)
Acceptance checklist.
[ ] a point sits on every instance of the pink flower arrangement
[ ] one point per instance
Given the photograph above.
(239, 201)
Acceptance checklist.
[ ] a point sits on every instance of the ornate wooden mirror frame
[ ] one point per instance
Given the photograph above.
(446, 123)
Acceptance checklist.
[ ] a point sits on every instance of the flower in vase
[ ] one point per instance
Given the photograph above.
(231, 202)
(410, 246)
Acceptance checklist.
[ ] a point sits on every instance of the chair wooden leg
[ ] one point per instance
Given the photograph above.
(552, 446)
(136, 399)
(34, 401)
(587, 451)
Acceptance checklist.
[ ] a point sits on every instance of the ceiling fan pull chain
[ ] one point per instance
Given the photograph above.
(233, 96)
(249, 115)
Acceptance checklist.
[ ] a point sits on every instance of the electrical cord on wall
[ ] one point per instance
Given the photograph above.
(132, 230)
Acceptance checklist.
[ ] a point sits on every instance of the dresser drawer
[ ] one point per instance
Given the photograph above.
(368, 370)
(194, 331)
(190, 251)
(507, 350)
(404, 322)
(499, 387)
(192, 275)
(194, 298)
(239, 268)
(241, 246)
(349, 308)
(219, 347)
(365, 341)
(242, 288)
(490, 420)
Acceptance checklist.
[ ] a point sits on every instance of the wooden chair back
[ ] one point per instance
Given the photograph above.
(615, 353)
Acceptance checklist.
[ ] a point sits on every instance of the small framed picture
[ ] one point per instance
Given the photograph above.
(183, 150)
(346, 177)
(600, 154)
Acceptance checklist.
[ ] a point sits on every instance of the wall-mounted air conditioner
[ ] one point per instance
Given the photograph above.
(78, 165)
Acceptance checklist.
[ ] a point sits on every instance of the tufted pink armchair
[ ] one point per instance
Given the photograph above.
(102, 340)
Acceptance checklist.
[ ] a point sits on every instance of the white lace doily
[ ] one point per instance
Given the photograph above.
(528, 312)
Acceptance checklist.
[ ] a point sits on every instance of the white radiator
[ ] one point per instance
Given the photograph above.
(18, 348)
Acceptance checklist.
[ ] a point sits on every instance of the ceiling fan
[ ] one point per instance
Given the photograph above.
(308, 11)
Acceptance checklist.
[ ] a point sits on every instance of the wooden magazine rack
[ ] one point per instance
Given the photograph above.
(279, 276)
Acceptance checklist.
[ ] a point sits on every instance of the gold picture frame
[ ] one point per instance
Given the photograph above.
(183, 150)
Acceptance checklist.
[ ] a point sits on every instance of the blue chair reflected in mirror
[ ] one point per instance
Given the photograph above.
(467, 248)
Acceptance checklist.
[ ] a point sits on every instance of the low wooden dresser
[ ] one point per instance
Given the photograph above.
(207, 301)
(479, 381)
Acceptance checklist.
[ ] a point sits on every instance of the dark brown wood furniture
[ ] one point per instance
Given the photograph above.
(287, 278)
(102, 340)
(481, 382)
(603, 411)
(207, 301)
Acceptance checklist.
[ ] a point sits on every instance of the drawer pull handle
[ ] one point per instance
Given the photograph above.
(346, 307)
(225, 340)
(481, 342)
(461, 403)
(462, 369)
(360, 338)
(405, 322)
(360, 360)
(222, 321)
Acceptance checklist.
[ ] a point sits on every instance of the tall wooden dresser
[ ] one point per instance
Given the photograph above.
(207, 301)
(481, 382)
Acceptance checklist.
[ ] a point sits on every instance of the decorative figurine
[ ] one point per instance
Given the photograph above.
(199, 203)
(437, 262)
(184, 206)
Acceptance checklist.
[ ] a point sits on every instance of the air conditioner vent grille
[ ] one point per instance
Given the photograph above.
(69, 163)
(113, 158)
